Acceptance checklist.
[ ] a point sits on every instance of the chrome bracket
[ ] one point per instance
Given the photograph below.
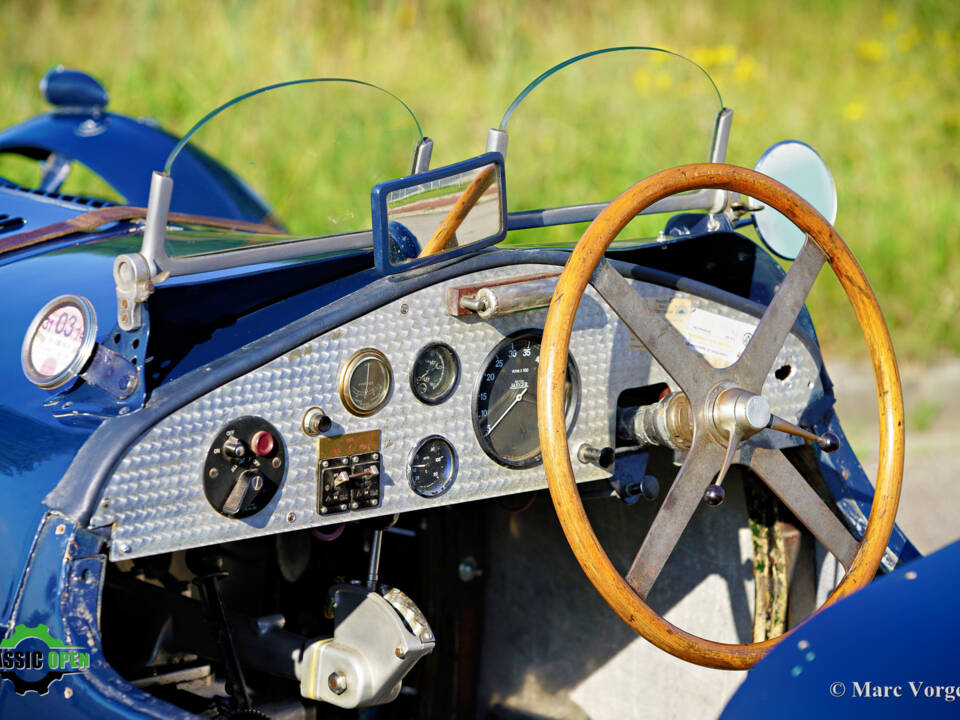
(134, 283)
(134, 274)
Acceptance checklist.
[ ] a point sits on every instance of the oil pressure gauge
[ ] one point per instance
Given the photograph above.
(432, 467)
(59, 341)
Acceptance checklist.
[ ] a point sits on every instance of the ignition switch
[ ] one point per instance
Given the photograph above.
(244, 467)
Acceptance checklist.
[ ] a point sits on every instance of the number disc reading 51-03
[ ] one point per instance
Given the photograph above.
(59, 341)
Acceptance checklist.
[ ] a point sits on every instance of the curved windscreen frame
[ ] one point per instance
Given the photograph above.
(172, 157)
(560, 213)
(593, 53)
(194, 256)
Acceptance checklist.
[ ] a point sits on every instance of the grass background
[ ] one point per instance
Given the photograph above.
(875, 87)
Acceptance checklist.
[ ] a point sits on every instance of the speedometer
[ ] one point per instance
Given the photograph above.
(505, 401)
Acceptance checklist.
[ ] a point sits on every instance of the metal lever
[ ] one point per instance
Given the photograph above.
(714, 494)
(828, 442)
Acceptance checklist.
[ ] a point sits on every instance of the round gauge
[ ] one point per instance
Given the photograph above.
(435, 373)
(432, 467)
(505, 401)
(365, 382)
(59, 341)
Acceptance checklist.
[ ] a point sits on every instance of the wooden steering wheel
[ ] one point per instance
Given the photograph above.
(732, 392)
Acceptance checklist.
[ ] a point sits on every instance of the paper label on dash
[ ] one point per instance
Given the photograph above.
(718, 338)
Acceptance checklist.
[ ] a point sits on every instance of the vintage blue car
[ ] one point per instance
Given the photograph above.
(257, 473)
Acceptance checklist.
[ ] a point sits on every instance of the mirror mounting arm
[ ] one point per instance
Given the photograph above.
(134, 273)
(497, 141)
(718, 154)
(421, 156)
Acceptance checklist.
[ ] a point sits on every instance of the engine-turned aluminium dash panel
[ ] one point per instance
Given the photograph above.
(155, 497)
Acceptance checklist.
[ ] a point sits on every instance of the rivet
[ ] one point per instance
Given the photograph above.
(400, 653)
(68, 693)
(213, 472)
(125, 547)
(291, 516)
(404, 309)
(910, 575)
(61, 529)
(275, 462)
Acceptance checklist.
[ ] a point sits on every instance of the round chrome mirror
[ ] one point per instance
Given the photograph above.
(800, 168)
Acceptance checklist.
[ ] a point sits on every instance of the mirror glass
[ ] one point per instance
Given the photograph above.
(800, 168)
(440, 212)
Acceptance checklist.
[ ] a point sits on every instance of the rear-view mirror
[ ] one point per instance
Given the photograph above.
(800, 168)
(440, 214)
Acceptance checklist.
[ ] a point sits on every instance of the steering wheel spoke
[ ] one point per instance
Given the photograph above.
(701, 465)
(758, 357)
(790, 486)
(664, 342)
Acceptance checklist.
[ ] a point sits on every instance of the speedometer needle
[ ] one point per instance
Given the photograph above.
(510, 407)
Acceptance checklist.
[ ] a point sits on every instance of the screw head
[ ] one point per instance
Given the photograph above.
(275, 462)
(337, 682)
(213, 472)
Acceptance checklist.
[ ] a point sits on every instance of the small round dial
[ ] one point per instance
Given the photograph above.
(365, 382)
(433, 466)
(435, 373)
(59, 341)
(505, 402)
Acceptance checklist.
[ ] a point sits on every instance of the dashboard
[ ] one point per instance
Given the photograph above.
(413, 405)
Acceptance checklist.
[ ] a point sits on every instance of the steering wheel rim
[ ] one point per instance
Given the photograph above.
(586, 264)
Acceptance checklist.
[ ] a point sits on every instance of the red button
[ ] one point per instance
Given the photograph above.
(262, 443)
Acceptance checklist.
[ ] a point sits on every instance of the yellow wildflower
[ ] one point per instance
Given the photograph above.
(662, 81)
(641, 79)
(745, 70)
(872, 50)
(853, 111)
(708, 57)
